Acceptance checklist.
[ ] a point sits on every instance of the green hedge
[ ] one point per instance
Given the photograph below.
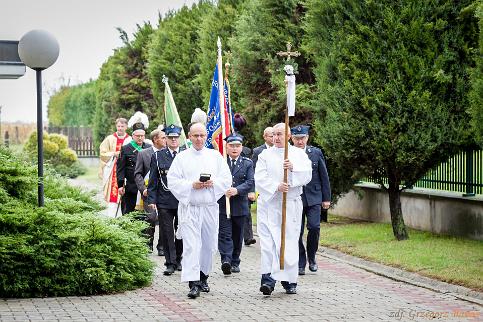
(57, 154)
(64, 248)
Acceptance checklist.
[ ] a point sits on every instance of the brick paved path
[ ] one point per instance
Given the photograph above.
(337, 292)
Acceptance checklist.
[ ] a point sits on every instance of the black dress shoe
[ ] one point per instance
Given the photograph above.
(179, 268)
(291, 290)
(266, 289)
(160, 252)
(250, 242)
(301, 271)
(204, 286)
(313, 267)
(235, 269)
(169, 270)
(226, 268)
(194, 292)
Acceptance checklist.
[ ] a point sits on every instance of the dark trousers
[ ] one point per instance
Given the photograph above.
(230, 238)
(268, 280)
(248, 229)
(150, 233)
(128, 202)
(203, 277)
(173, 248)
(313, 227)
(152, 228)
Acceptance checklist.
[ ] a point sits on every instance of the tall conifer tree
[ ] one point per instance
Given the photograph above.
(393, 77)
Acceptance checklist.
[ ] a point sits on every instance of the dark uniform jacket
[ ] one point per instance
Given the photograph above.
(246, 152)
(256, 153)
(126, 164)
(318, 189)
(242, 180)
(158, 183)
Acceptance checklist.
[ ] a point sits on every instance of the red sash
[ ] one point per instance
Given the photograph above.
(113, 196)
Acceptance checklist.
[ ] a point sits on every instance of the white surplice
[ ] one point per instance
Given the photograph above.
(268, 176)
(198, 208)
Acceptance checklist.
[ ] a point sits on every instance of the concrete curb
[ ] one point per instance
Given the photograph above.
(397, 274)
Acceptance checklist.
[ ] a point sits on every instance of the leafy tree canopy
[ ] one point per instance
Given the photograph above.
(173, 53)
(393, 78)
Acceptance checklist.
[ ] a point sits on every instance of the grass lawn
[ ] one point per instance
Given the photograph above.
(449, 259)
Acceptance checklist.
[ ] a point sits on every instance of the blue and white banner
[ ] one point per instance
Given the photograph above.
(213, 124)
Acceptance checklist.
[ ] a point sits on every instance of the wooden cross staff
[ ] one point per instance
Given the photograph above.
(288, 54)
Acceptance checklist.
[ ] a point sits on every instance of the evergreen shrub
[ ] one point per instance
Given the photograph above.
(64, 248)
(56, 153)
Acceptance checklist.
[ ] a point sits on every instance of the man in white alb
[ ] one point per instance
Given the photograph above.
(269, 184)
(198, 177)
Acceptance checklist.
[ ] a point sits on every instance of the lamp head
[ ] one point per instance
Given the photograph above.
(38, 49)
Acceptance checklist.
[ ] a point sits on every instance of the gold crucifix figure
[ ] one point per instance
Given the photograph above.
(289, 53)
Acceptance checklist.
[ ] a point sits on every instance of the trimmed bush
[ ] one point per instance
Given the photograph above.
(57, 153)
(64, 248)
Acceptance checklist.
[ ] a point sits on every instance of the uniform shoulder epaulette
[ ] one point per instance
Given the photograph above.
(248, 159)
(314, 148)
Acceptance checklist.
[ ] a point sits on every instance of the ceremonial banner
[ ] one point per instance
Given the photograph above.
(214, 122)
(228, 105)
(290, 80)
(171, 115)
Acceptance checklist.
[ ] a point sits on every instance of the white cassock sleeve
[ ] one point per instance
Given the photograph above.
(186, 169)
(179, 186)
(222, 181)
(301, 173)
(265, 184)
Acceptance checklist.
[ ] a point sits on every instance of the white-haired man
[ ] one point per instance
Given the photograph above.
(270, 186)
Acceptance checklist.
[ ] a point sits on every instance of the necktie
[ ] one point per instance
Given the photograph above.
(232, 164)
(174, 154)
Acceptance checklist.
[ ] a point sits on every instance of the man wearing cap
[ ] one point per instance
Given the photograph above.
(316, 194)
(269, 174)
(126, 165)
(161, 198)
(141, 172)
(198, 177)
(230, 235)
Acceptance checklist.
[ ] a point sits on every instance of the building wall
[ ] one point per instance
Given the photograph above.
(428, 210)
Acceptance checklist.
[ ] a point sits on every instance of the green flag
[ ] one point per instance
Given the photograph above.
(171, 115)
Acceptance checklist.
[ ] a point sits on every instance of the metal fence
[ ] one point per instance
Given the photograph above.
(461, 173)
(80, 139)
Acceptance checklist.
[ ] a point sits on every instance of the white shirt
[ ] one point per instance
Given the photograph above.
(172, 151)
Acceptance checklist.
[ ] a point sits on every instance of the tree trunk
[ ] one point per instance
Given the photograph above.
(397, 220)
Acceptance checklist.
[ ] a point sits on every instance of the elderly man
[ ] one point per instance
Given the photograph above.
(126, 165)
(109, 151)
(230, 237)
(268, 138)
(198, 177)
(141, 172)
(315, 194)
(161, 198)
(269, 183)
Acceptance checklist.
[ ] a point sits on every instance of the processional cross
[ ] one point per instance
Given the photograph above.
(288, 53)
(290, 87)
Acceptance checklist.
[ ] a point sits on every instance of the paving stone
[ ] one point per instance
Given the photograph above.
(336, 292)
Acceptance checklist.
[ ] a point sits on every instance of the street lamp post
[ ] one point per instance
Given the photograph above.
(39, 50)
